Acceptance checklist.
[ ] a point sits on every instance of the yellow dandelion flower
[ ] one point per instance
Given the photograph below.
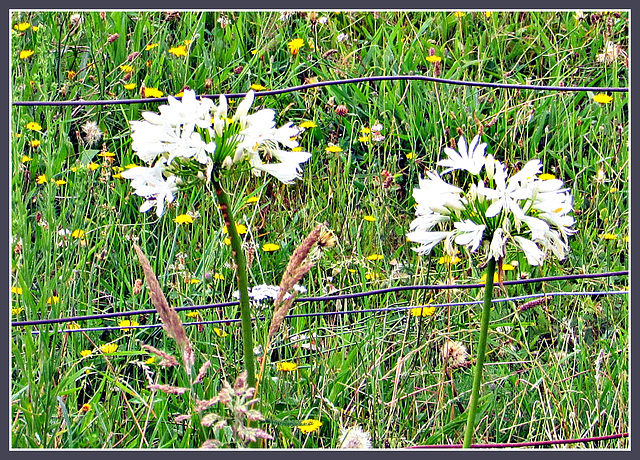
(192, 314)
(151, 46)
(86, 407)
(447, 259)
(369, 218)
(125, 323)
(150, 360)
(270, 247)
(254, 51)
(488, 14)
(35, 28)
(109, 348)
(295, 45)
(33, 126)
(194, 281)
(459, 14)
(41, 179)
(483, 278)
(333, 149)
(22, 26)
(85, 353)
(411, 156)
(93, 166)
(546, 176)
(608, 236)
(16, 290)
(219, 332)
(178, 50)
(602, 98)
(183, 219)
(309, 425)
(507, 267)
(218, 276)
(17, 311)
(152, 92)
(131, 165)
(35, 143)
(73, 326)
(61, 182)
(107, 154)
(252, 199)
(285, 366)
(130, 86)
(78, 233)
(297, 149)
(308, 124)
(227, 241)
(71, 74)
(53, 300)
(364, 139)
(240, 228)
(74, 169)
(257, 87)
(25, 158)
(371, 275)
(126, 68)
(375, 257)
(423, 311)
(433, 59)
(24, 54)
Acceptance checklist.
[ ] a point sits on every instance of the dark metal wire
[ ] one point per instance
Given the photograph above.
(338, 82)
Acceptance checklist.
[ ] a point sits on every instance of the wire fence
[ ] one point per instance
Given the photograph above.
(334, 298)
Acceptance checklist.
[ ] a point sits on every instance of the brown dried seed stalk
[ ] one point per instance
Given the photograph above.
(171, 322)
(296, 269)
(532, 303)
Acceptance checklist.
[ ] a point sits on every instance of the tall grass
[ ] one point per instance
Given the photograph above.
(553, 372)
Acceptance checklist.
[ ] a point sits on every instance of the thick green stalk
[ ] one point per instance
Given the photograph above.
(482, 347)
(243, 283)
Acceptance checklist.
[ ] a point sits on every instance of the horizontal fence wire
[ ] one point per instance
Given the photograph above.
(339, 82)
(335, 298)
(525, 444)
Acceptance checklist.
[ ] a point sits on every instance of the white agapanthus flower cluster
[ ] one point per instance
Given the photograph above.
(524, 209)
(199, 132)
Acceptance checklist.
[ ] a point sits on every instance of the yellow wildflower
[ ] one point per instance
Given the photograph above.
(41, 179)
(309, 426)
(150, 360)
(183, 219)
(219, 332)
(178, 50)
(270, 247)
(369, 218)
(257, 87)
(107, 154)
(78, 233)
(375, 257)
(433, 59)
(447, 259)
(307, 124)
(33, 126)
(546, 176)
(130, 86)
(85, 353)
(252, 199)
(25, 158)
(22, 26)
(459, 14)
(109, 348)
(61, 182)
(126, 322)
(152, 92)
(24, 54)
(35, 143)
(151, 46)
(608, 236)
(364, 138)
(71, 74)
(86, 407)
(241, 229)
(285, 366)
(53, 300)
(17, 311)
(126, 68)
(295, 45)
(333, 149)
(423, 311)
(16, 290)
(602, 98)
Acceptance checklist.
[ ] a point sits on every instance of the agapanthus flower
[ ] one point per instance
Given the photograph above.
(191, 138)
(497, 210)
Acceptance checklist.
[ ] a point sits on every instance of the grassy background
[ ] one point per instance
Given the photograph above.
(552, 373)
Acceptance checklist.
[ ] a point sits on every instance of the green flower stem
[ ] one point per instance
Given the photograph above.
(482, 347)
(243, 282)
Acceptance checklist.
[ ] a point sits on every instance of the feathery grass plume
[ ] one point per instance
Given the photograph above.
(297, 267)
(171, 322)
(354, 438)
(532, 303)
(170, 389)
(167, 359)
